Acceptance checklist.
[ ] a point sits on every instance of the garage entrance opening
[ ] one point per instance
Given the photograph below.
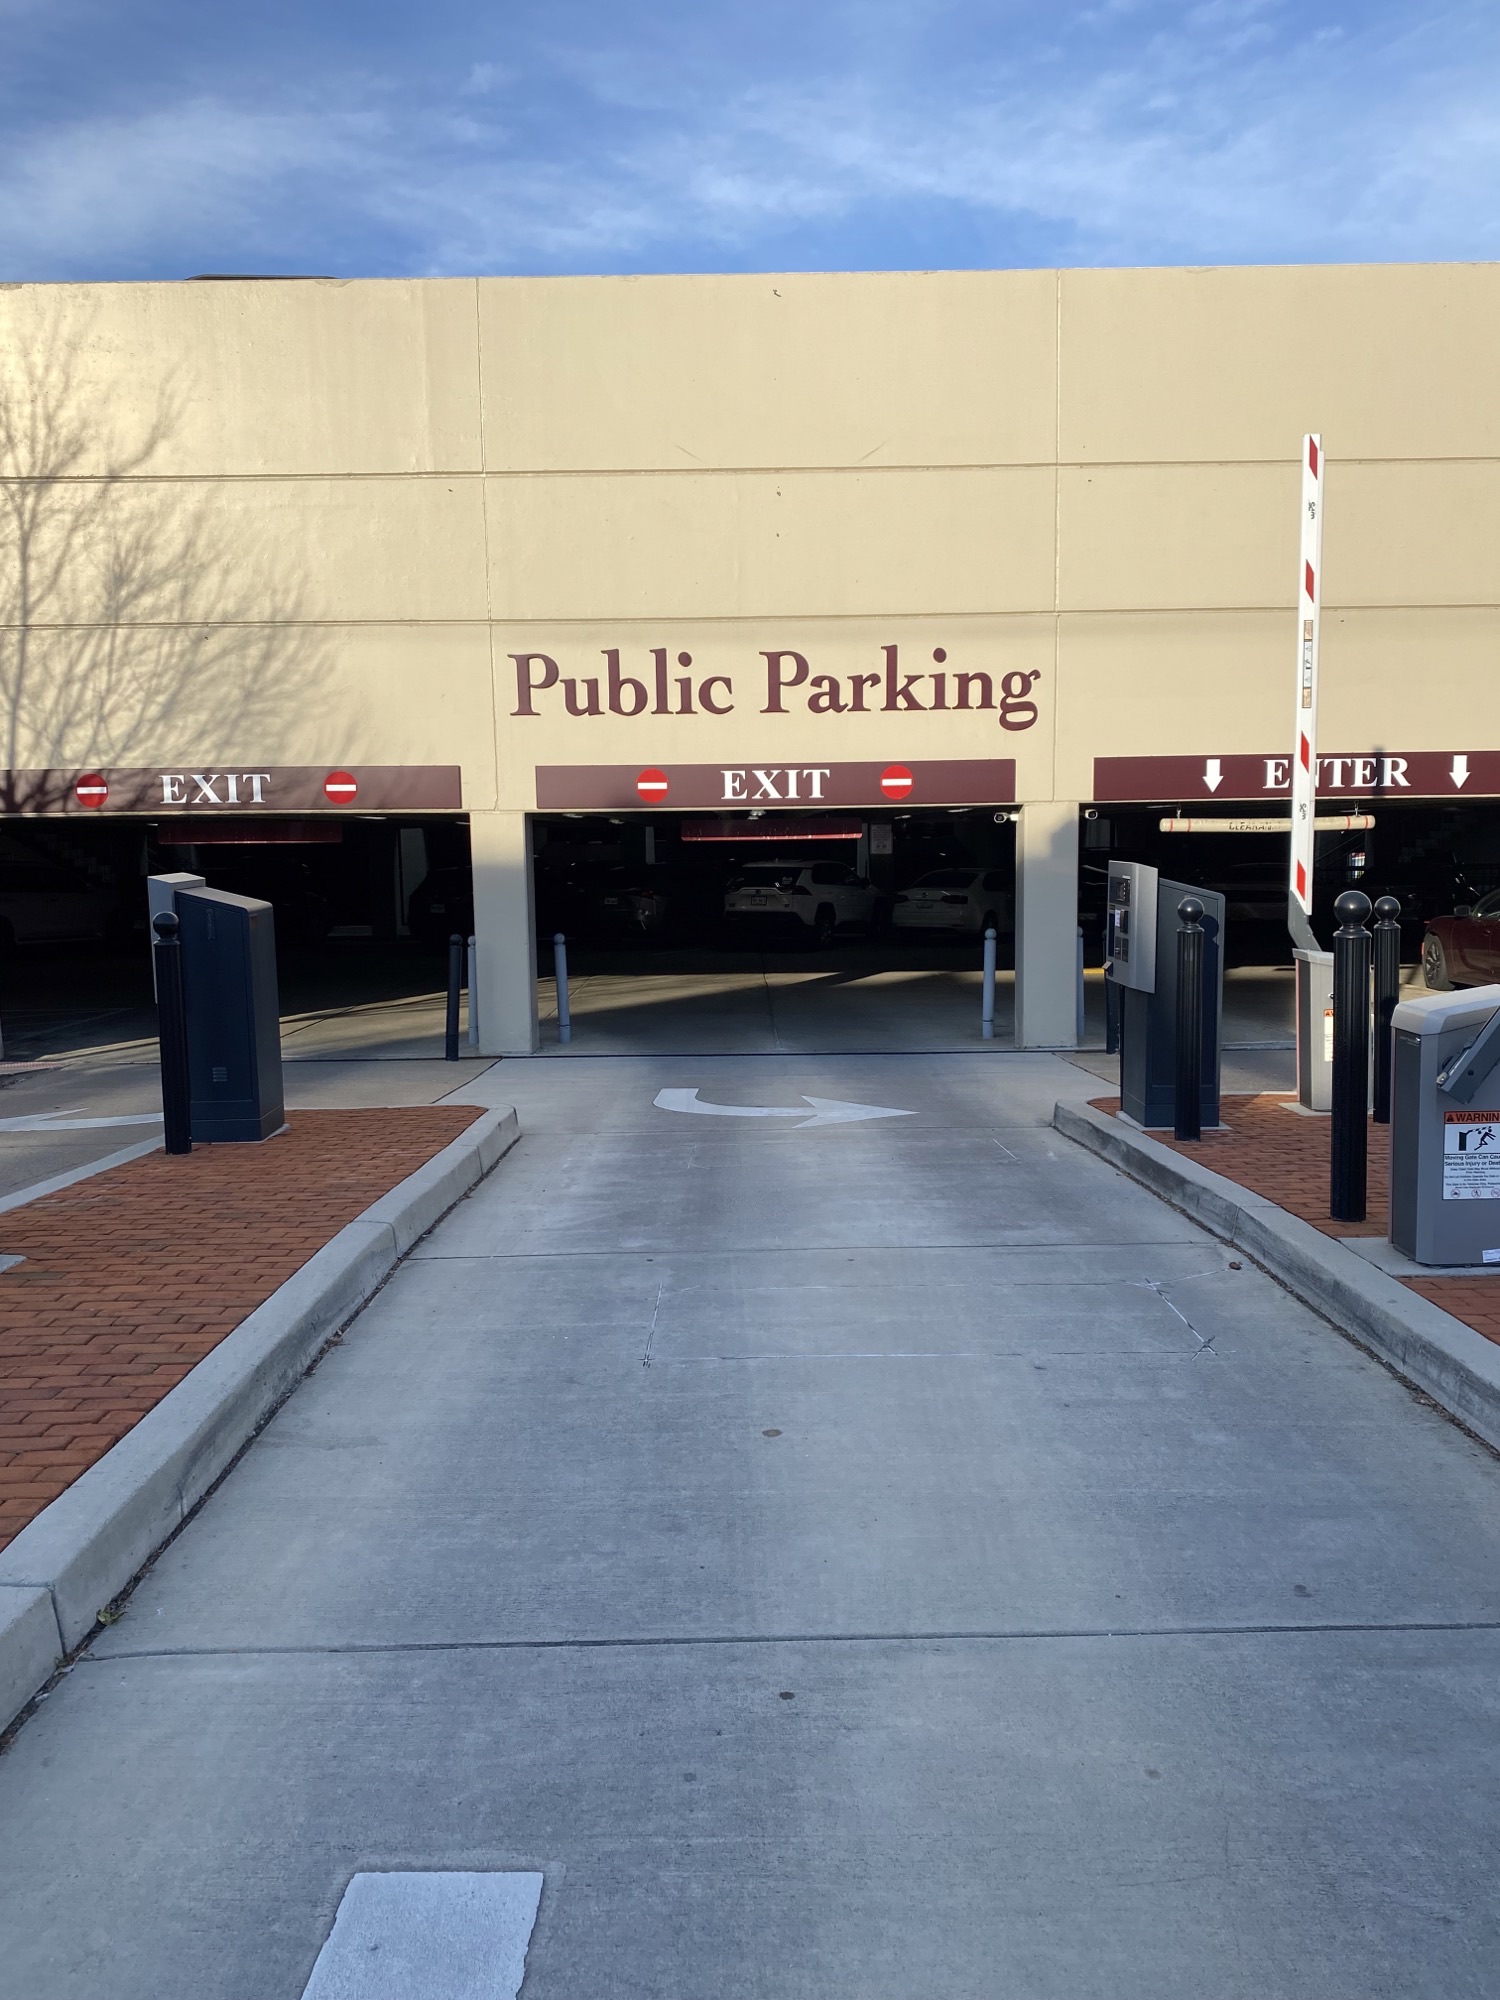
(774, 932)
(364, 908)
(1436, 857)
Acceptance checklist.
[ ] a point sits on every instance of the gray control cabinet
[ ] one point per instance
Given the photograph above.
(1445, 1127)
(233, 1015)
(1314, 1029)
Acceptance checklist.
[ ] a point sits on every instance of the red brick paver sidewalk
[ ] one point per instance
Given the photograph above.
(1283, 1155)
(132, 1276)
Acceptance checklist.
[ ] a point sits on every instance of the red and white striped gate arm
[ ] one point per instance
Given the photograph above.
(1305, 737)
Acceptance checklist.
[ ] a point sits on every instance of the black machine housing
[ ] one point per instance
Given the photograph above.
(233, 1015)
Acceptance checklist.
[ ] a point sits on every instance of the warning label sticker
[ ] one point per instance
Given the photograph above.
(1471, 1156)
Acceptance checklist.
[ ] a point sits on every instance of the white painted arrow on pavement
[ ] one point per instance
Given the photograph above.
(825, 1110)
(69, 1121)
(1213, 773)
(1460, 772)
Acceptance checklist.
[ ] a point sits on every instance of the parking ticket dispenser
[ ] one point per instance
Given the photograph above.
(1445, 1127)
(233, 1015)
(1148, 1011)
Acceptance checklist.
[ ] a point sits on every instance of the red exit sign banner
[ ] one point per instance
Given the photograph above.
(299, 788)
(617, 787)
(1410, 774)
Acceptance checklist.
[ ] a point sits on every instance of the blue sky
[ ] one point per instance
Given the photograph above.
(153, 138)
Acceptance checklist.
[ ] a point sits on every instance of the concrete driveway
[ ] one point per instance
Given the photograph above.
(896, 1559)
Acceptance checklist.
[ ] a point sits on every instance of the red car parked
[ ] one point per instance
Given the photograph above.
(1464, 949)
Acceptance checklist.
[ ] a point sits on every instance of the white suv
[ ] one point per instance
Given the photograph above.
(971, 900)
(816, 899)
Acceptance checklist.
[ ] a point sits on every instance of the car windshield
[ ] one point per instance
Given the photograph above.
(769, 877)
(1488, 906)
(948, 878)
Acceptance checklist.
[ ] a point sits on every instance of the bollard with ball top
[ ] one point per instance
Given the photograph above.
(455, 988)
(1387, 993)
(1349, 1149)
(1187, 1077)
(171, 1028)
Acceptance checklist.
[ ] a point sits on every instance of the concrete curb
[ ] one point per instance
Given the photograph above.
(1449, 1361)
(81, 1551)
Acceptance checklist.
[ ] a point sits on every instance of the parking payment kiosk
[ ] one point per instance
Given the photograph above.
(1130, 926)
(1445, 1127)
(1140, 947)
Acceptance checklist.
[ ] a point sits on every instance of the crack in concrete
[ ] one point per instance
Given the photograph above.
(1159, 1287)
(1333, 1628)
(651, 1330)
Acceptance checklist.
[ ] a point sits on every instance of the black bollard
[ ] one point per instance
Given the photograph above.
(1351, 1059)
(1387, 993)
(171, 1028)
(455, 987)
(1187, 1080)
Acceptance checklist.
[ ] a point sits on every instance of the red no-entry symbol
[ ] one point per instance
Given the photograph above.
(652, 786)
(339, 788)
(91, 790)
(896, 781)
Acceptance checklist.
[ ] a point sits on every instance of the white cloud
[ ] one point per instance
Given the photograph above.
(201, 171)
(1218, 132)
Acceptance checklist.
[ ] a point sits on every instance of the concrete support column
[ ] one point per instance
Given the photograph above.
(500, 846)
(1047, 926)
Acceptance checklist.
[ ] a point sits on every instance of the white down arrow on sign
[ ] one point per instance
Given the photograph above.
(825, 1110)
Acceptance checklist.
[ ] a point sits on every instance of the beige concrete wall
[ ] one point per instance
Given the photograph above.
(674, 374)
(959, 540)
(234, 379)
(370, 494)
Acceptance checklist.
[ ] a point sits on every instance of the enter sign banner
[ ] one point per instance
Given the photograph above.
(1369, 774)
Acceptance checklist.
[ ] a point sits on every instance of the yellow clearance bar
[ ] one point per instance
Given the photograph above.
(1324, 823)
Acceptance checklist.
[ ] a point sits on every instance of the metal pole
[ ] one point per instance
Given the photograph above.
(987, 1003)
(560, 967)
(1305, 723)
(1387, 993)
(1351, 1058)
(1078, 1015)
(171, 1028)
(455, 984)
(472, 988)
(1187, 1079)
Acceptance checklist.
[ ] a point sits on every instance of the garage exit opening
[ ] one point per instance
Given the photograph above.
(774, 930)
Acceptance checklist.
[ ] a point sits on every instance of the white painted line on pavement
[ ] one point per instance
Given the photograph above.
(825, 1110)
(428, 1936)
(57, 1181)
(69, 1121)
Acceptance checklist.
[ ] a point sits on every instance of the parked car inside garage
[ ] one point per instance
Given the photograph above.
(967, 900)
(1464, 949)
(816, 899)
